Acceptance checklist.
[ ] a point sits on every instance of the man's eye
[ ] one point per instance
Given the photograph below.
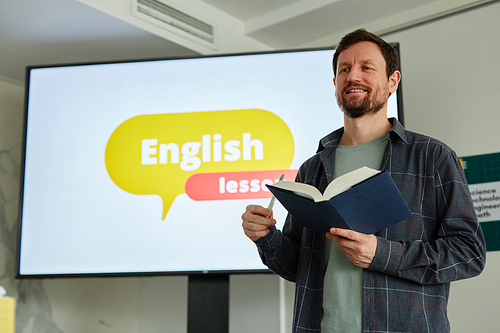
(344, 70)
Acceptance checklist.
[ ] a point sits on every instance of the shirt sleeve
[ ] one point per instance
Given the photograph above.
(451, 246)
(280, 250)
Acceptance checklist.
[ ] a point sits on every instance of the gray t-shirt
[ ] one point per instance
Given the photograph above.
(343, 282)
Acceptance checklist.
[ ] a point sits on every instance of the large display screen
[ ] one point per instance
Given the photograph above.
(146, 167)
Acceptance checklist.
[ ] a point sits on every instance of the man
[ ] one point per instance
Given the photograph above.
(397, 280)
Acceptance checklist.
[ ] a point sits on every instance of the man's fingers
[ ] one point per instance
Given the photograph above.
(344, 233)
(259, 210)
(255, 231)
(256, 221)
(259, 224)
(359, 248)
(259, 215)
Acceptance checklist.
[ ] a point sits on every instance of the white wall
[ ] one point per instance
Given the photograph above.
(450, 74)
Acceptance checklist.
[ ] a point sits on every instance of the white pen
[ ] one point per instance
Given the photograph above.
(273, 199)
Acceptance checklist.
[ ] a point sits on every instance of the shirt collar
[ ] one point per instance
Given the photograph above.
(332, 139)
(398, 130)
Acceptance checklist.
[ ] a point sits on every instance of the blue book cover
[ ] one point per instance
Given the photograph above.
(368, 206)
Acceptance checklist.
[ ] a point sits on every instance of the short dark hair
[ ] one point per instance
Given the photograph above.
(361, 35)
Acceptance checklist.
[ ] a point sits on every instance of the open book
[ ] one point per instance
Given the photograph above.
(364, 200)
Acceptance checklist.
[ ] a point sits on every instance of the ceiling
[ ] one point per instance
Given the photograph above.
(42, 32)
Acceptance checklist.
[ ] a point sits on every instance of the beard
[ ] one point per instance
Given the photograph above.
(359, 107)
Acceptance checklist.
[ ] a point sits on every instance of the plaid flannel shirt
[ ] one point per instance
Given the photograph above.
(406, 288)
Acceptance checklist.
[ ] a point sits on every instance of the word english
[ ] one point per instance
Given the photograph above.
(211, 151)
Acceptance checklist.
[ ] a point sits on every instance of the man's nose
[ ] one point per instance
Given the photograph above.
(354, 75)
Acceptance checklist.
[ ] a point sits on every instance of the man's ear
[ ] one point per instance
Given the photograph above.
(334, 82)
(394, 81)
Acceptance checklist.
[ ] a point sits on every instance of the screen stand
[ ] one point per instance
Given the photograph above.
(208, 303)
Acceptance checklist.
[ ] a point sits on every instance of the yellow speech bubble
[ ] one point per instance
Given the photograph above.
(156, 154)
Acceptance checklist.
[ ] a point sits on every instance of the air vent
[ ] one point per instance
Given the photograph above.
(175, 21)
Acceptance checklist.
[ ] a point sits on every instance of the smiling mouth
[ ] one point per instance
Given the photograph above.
(354, 91)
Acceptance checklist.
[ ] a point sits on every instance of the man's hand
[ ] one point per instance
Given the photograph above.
(256, 221)
(359, 248)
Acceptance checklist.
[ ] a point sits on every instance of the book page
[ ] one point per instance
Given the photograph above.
(303, 190)
(345, 182)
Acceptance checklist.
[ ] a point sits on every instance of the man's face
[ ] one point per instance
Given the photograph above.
(362, 87)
